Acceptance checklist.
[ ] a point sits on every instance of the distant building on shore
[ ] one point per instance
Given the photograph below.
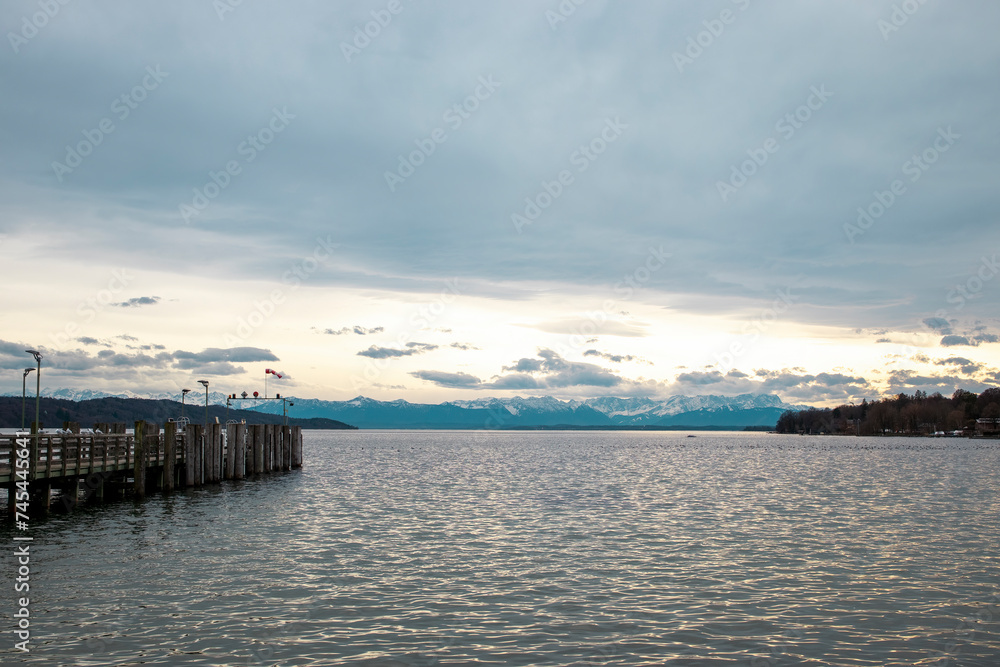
(988, 426)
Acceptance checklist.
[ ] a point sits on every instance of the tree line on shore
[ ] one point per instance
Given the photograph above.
(900, 414)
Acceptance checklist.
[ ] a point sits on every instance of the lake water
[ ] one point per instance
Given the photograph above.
(540, 548)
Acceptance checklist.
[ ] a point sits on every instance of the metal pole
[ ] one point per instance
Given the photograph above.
(38, 410)
(24, 381)
(38, 394)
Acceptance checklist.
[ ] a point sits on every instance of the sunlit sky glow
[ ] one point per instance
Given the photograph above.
(495, 198)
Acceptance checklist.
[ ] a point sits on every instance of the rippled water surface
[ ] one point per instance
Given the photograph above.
(541, 548)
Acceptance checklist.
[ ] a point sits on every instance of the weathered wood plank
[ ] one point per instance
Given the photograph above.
(297, 446)
(189, 466)
(258, 448)
(216, 452)
(169, 455)
(138, 461)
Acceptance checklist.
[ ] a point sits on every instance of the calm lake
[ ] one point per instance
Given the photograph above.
(539, 548)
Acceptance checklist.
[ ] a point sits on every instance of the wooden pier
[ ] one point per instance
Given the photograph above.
(111, 463)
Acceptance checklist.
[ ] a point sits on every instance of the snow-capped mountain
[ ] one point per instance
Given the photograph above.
(492, 412)
(195, 397)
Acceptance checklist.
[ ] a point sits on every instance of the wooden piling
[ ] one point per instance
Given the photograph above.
(155, 461)
(275, 442)
(189, 466)
(139, 461)
(169, 457)
(230, 457)
(217, 452)
(296, 446)
(206, 455)
(258, 449)
(250, 451)
(240, 452)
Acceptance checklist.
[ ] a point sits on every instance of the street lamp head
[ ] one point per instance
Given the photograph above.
(36, 354)
(28, 370)
(203, 382)
(185, 392)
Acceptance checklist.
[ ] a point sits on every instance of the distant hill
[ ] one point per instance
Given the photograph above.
(710, 411)
(55, 411)
(721, 412)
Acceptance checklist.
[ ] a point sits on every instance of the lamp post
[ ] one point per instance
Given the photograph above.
(38, 385)
(184, 393)
(23, 389)
(205, 383)
(38, 414)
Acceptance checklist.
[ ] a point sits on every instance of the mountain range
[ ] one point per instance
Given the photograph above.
(708, 411)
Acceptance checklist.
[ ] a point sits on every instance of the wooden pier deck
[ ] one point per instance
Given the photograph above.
(148, 459)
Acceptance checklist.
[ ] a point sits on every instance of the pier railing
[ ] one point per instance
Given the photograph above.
(151, 457)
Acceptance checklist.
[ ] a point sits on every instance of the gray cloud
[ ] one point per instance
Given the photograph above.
(137, 301)
(968, 366)
(324, 174)
(356, 329)
(953, 340)
(450, 380)
(615, 358)
(376, 352)
(156, 370)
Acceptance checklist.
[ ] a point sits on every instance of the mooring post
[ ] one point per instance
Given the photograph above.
(217, 434)
(139, 460)
(210, 443)
(296, 446)
(271, 442)
(288, 448)
(249, 447)
(169, 455)
(189, 468)
(230, 469)
(208, 474)
(239, 450)
(258, 448)
(199, 455)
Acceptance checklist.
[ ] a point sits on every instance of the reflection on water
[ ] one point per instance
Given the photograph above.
(542, 548)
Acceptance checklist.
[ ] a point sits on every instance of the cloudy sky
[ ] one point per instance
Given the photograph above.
(444, 200)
